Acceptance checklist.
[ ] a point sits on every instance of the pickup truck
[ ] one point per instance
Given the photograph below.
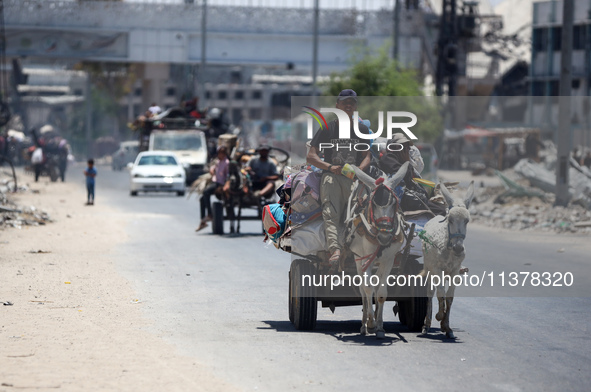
(189, 145)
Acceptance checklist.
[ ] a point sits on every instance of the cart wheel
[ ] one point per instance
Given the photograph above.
(53, 174)
(289, 301)
(402, 305)
(303, 302)
(413, 311)
(217, 224)
(417, 310)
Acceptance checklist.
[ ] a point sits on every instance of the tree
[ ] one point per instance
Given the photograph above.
(375, 76)
(109, 83)
(386, 86)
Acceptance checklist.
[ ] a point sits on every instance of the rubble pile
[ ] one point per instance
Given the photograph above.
(498, 207)
(531, 214)
(12, 215)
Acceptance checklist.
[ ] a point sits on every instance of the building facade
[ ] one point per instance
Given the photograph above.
(546, 48)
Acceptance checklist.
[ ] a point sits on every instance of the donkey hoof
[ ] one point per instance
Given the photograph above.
(380, 334)
(363, 331)
(425, 331)
(372, 330)
(450, 334)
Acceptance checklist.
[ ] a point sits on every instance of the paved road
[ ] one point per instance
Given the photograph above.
(223, 300)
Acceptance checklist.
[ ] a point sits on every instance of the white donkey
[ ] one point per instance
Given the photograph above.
(443, 253)
(374, 235)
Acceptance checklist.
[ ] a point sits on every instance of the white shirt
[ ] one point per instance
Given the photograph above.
(155, 109)
(416, 160)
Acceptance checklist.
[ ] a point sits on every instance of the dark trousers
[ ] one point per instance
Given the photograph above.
(37, 168)
(205, 200)
(90, 192)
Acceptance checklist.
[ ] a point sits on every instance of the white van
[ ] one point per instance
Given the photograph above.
(190, 146)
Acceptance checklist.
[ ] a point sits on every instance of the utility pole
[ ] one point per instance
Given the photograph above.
(587, 106)
(447, 49)
(452, 51)
(396, 30)
(564, 115)
(315, 49)
(203, 52)
(88, 116)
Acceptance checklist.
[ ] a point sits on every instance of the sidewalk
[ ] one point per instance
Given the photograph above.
(75, 324)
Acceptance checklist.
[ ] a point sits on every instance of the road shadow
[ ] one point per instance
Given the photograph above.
(155, 195)
(232, 235)
(436, 335)
(247, 234)
(346, 331)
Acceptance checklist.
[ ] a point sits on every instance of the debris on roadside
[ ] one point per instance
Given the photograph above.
(525, 199)
(528, 212)
(12, 215)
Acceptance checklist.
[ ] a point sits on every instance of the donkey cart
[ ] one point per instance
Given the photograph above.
(232, 204)
(411, 301)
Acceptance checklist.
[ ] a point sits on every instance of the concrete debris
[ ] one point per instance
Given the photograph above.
(15, 216)
(583, 224)
(527, 213)
(525, 201)
(531, 214)
(540, 177)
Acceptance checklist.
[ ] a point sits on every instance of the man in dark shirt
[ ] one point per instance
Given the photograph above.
(263, 173)
(335, 188)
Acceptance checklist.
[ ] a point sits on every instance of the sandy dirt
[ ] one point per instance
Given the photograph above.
(75, 323)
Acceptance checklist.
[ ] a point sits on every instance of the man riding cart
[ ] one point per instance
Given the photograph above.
(263, 173)
(366, 225)
(249, 183)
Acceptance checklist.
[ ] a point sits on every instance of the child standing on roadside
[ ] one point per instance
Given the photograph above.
(90, 174)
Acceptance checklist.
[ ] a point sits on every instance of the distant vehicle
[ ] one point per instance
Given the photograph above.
(189, 145)
(157, 171)
(175, 130)
(126, 153)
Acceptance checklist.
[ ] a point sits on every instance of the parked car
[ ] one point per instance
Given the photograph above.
(126, 153)
(157, 171)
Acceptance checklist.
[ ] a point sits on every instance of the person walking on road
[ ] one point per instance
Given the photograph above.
(90, 174)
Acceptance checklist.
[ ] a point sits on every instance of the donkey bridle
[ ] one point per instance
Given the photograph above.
(450, 235)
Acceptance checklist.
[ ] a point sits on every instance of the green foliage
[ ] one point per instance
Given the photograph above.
(375, 76)
(385, 86)
(109, 80)
(109, 83)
